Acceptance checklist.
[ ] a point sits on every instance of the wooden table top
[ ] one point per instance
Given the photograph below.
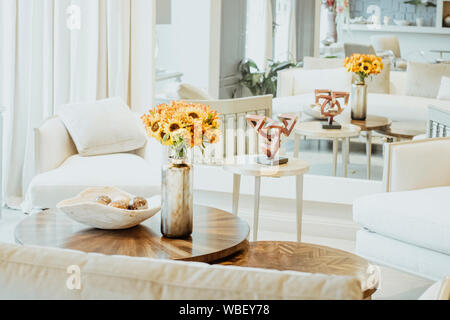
(314, 129)
(247, 166)
(372, 123)
(404, 130)
(217, 234)
(305, 257)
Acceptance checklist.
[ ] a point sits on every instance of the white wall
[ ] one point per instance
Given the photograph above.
(184, 44)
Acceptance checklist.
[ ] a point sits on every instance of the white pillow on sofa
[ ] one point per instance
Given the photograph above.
(424, 79)
(314, 63)
(444, 90)
(306, 81)
(103, 126)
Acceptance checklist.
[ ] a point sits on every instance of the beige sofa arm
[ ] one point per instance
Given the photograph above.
(417, 164)
(53, 145)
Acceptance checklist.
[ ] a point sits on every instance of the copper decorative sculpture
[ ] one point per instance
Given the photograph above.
(271, 131)
(331, 107)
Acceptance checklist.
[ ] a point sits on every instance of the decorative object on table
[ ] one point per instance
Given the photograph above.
(262, 82)
(181, 126)
(401, 23)
(330, 106)
(109, 208)
(271, 131)
(386, 20)
(363, 66)
(446, 21)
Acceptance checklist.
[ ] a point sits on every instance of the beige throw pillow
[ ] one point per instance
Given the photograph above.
(190, 92)
(103, 126)
(310, 63)
(306, 81)
(379, 83)
(444, 90)
(424, 79)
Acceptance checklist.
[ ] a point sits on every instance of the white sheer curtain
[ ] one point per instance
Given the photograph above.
(60, 51)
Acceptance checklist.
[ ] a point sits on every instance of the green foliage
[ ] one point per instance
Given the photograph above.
(262, 82)
(420, 3)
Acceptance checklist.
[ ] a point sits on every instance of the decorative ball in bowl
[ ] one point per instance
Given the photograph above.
(109, 208)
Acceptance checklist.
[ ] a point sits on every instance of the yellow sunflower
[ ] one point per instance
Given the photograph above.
(366, 68)
(195, 113)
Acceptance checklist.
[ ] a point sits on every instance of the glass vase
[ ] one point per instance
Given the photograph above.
(358, 101)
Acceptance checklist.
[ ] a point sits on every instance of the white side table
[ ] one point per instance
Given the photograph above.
(314, 129)
(247, 166)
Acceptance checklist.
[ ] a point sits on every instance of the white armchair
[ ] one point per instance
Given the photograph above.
(62, 173)
(409, 226)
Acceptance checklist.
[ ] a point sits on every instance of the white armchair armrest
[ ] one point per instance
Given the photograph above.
(53, 145)
(417, 164)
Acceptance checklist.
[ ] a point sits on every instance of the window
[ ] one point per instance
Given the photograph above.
(255, 37)
(282, 24)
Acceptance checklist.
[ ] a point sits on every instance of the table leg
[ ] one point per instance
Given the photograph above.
(335, 154)
(369, 154)
(345, 155)
(236, 190)
(299, 186)
(296, 145)
(256, 208)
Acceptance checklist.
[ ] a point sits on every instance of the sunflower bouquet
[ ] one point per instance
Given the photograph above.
(364, 66)
(182, 125)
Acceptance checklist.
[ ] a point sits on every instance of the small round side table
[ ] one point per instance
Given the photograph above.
(372, 123)
(247, 166)
(314, 129)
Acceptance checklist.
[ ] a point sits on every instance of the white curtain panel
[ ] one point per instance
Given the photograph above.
(269, 33)
(61, 51)
(292, 56)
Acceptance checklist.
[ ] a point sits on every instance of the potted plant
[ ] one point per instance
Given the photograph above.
(262, 82)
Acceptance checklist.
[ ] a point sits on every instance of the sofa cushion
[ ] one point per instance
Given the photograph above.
(190, 92)
(128, 172)
(418, 217)
(314, 63)
(103, 126)
(306, 81)
(395, 107)
(424, 79)
(444, 89)
(41, 273)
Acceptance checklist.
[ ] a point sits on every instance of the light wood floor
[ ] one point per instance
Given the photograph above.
(325, 224)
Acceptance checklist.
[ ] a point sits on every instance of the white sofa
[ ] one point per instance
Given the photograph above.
(396, 105)
(41, 273)
(62, 173)
(409, 226)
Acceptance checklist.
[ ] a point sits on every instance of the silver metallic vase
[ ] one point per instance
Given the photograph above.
(358, 101)
(177, 200)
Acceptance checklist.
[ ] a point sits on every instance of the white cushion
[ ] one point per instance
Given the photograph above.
(438, 291)
(126, 171)
(418, 217)
(380, 83)
(41, 273)
(424, 79)
(444, 89)
(103, 127)
(190, 92)
(306, 81)
(313, 63)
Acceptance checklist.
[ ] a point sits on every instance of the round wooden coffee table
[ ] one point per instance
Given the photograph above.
(217, 234)
(306, 257)
(404, 129)
(372, 123)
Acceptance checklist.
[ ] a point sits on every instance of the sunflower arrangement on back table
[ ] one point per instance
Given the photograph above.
(182, 125)
(364, 66)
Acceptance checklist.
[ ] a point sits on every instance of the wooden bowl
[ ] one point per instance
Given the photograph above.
(84, 209)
